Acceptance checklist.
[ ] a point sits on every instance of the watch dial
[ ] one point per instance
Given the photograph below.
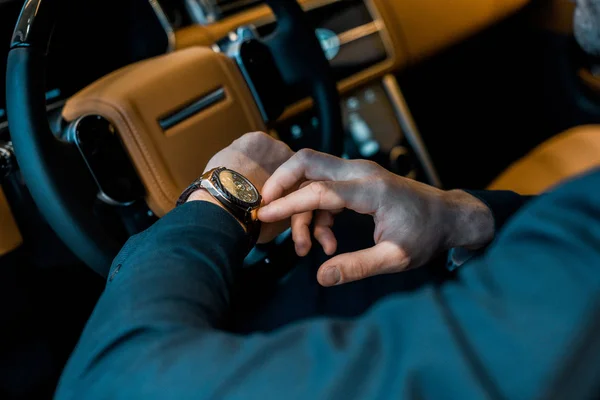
(238, 186)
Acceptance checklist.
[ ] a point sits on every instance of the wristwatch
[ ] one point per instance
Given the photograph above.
(235, 192)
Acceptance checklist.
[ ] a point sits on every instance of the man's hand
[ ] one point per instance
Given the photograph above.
(255, 155)
(413, 221)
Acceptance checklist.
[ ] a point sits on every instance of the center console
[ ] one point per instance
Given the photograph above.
(378, 127)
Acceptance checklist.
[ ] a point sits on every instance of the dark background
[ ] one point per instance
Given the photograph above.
(92, 38)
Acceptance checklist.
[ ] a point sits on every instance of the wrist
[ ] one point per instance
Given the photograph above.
(203, 195)
(471, 222)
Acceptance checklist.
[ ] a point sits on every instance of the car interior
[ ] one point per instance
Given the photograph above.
(111, 108)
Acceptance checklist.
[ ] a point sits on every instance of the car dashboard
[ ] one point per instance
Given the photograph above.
(366, 42)
(365, 38)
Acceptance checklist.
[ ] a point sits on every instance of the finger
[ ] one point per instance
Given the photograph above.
(304, 165)
(268, 232)
(316, 196)
(301, 233)
(301, 230)
(384, 258)
(323, 233)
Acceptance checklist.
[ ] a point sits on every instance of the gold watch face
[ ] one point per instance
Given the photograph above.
(238, 186)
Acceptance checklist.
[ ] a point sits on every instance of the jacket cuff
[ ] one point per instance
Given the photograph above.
(502, 204)
(192, 224)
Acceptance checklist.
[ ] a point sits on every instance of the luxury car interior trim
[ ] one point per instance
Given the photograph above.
(164, 21)
(190, 110)
(118, 161)
(27, 26)
(410, 128)
(361, 32)
(166, 161)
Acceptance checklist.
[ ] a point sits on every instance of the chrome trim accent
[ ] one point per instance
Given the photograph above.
(383, 31)
(357, 33)
(192, 109)
(103, 197)
(164, 21)
(70, 133)
(7, 152)
(360, 32)
(411, 132)
(233, 51)
(202, 14)
(25, 27)
(70, 136)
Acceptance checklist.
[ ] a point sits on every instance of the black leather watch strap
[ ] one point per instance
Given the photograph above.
(197, 185)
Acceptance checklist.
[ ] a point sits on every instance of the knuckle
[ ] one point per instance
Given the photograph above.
(369, 167)
(379, 183)
(304, 154)
(318, 188)
(257, 135)
(251, 138)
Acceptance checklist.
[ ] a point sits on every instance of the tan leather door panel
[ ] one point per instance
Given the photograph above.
(431, 25)
(10, 237)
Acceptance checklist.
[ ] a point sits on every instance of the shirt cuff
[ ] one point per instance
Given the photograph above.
(459, 256)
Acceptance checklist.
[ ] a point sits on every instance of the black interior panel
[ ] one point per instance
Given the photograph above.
(92, 39)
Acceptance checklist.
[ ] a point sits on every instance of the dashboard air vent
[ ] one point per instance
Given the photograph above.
(228, 7)
(207, 11)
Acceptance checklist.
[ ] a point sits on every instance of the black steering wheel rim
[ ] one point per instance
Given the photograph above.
(54, 171)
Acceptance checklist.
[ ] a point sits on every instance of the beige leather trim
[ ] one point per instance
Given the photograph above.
(136, 97)
(571, 153)
(10, 237)
(429, 26)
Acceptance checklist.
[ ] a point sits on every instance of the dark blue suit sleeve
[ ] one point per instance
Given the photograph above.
(503, 204)
(503, 329)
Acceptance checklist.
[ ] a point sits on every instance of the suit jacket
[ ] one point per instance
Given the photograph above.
(519, 322)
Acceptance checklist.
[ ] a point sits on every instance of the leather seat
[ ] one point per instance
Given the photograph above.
(564, 156)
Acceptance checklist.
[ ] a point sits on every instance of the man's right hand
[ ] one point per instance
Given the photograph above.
(413, 221)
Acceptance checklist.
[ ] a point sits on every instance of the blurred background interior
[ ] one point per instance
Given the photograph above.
(461, 94)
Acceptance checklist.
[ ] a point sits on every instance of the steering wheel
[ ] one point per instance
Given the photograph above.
(59, 178)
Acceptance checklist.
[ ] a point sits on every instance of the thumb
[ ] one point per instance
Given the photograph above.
(384, 258)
